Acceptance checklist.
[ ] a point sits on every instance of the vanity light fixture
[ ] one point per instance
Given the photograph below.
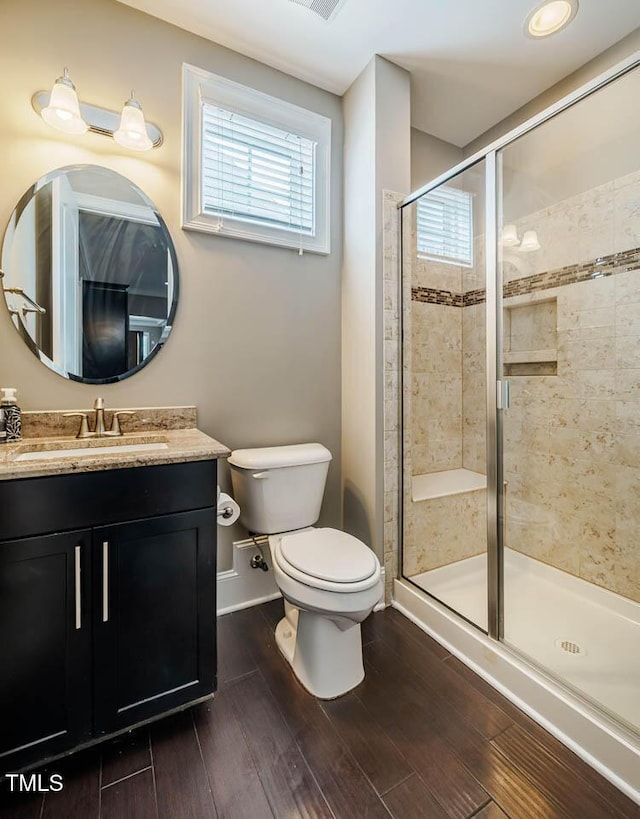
(510, 236)
(132, 132)
(550, 17)
(61, 108)
(529, 242)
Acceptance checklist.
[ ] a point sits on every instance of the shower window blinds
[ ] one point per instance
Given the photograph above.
(255, 167)
(445, 226)
(256, 172)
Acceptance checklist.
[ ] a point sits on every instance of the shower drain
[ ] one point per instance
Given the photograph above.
(571, 648)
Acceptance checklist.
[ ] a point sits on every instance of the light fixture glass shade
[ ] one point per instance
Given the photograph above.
(529, 242)
(132, 132)
(510, 236)
(551, 17)
(63, 110)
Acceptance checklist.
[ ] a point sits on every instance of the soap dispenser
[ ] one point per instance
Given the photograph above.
(12, 414)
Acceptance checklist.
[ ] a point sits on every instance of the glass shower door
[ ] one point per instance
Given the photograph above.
(444, 394)
(569, 253)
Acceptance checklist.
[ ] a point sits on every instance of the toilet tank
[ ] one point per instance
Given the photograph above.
(279, 488)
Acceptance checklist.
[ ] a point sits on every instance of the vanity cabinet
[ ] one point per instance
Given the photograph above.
(45, 644)
(154, 625)
(107, 615)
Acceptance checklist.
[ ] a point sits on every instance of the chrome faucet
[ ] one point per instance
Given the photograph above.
(100, 430)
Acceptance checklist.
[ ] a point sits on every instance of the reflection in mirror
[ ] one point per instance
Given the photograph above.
(90, 274)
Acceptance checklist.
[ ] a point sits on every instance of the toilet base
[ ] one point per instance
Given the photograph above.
(326, 659)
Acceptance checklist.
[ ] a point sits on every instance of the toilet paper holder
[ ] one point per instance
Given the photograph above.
(227, 510)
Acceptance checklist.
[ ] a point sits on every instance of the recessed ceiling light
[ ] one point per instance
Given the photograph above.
(550, 17)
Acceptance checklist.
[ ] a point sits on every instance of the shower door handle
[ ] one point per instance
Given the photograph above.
(503, 395)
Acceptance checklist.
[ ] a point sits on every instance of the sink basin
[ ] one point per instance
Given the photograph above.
(48, 451)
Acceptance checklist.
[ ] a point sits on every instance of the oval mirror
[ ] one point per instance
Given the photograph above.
(89, 274)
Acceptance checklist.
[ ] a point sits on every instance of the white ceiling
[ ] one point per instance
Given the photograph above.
(470, 61)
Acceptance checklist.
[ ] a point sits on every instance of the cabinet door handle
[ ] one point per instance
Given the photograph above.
(105, 581)
(78, 588)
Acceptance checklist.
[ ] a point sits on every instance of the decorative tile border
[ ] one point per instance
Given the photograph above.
(571, 274)
(474, 297)
(429, 295)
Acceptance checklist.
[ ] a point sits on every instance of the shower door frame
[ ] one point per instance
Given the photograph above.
(497, 389)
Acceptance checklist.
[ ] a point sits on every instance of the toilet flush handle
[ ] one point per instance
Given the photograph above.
(260, 475)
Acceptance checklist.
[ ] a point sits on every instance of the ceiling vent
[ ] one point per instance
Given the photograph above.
(327, 9)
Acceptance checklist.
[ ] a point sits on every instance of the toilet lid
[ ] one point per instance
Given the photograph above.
(328, 554)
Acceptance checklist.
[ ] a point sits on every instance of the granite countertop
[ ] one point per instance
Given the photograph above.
(168, 435)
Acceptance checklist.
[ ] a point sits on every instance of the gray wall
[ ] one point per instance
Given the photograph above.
(359, 462)
(431, 157)
(377, 157)
(256, 342)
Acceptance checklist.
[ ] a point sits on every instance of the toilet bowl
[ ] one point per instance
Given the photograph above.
(320, 634)
(329, 579)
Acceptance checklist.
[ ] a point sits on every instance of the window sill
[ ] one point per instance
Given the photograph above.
(235, 229)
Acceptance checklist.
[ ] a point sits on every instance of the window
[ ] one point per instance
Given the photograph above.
(256, 172)
(255, 167)
(445, 226)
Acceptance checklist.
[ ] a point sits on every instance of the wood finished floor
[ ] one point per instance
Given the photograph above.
(423, 736)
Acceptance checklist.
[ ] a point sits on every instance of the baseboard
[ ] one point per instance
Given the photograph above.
(242, 587)
(247, 604)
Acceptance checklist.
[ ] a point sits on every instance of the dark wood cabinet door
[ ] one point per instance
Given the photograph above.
(154, 627)
(45, 646)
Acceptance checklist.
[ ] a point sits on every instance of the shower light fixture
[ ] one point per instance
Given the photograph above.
(550, 17)
(61, 109)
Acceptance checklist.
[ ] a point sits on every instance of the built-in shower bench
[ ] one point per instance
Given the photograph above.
(449, 482)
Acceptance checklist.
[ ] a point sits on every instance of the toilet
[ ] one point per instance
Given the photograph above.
(330, 580)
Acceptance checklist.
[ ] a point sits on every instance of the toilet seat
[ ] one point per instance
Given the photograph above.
(327, 559)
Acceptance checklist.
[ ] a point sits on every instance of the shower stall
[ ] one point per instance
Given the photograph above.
(520, 291)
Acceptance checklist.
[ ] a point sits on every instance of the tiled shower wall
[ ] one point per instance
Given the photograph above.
(572, 440)
(446, 364)
(392, 358)
(444, 407)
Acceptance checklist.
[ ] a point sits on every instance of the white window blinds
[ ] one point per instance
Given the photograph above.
(257, 173)
(445, 226)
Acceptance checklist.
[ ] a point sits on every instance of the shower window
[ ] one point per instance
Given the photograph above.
(445, 226)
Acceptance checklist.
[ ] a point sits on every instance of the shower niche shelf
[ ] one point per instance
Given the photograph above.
(531, 337)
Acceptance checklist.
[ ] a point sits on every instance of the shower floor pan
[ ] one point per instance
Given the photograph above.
(586, 635)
